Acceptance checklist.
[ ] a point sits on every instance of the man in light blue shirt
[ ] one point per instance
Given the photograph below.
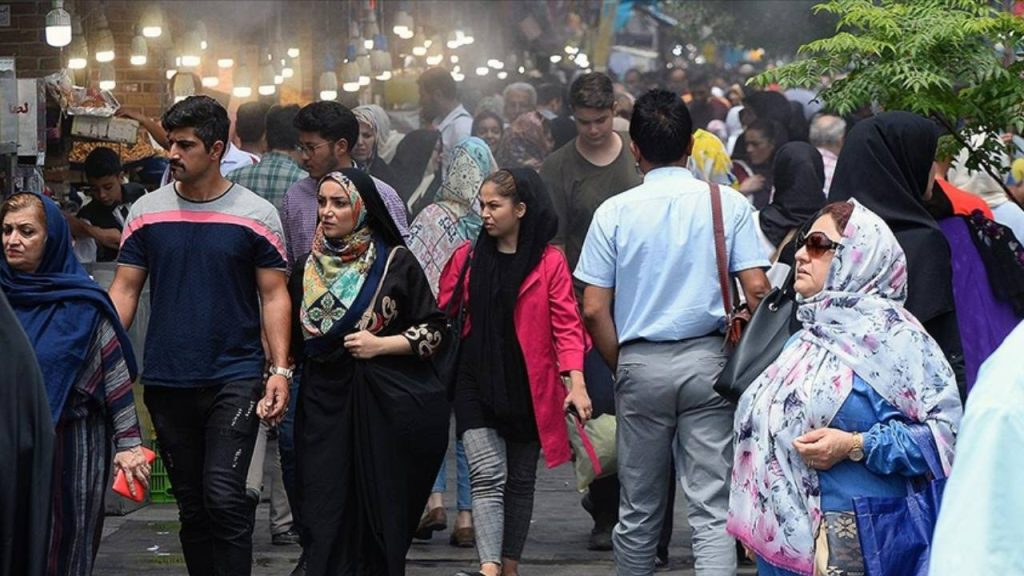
(979, 530)
(651, 252)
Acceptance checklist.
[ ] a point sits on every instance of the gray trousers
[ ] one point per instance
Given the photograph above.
(665, 403)
(502, 477)
(265, 473)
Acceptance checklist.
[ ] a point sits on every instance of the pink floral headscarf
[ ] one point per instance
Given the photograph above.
(855, 325)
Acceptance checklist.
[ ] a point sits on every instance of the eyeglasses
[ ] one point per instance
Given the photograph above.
(307, 150)
(816, 243)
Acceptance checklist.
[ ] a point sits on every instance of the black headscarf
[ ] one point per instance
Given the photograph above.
(799, 176)
(378, 217)
(410, 161)
(487, 307)
(886, 165)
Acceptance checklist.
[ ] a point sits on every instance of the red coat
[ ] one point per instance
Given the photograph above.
(551, 336)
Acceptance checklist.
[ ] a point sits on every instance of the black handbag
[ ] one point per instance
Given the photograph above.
(446, 360)
(770, 327)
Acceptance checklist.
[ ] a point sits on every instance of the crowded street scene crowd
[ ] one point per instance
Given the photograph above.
(803, 323)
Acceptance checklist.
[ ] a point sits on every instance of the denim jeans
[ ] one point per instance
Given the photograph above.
(464, 500)
(206, 438)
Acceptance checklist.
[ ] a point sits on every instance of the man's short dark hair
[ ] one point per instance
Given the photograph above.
(661, 127)
(204, 115)
(251, 121)
(331, 120)
(438, 78)
(102, 162)
(594, 90)
(281, 132)
(549, 91)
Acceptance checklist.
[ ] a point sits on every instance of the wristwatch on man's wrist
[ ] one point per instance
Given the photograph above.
(286, 372)
(856, 453)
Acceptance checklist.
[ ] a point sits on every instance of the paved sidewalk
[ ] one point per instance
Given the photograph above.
(146, 541)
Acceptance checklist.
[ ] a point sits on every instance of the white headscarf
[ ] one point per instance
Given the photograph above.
(377, 118)
(855, 325)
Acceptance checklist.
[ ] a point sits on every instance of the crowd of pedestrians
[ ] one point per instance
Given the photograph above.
(582, 249)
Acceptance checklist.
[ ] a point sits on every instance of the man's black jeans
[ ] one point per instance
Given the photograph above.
(206, 438)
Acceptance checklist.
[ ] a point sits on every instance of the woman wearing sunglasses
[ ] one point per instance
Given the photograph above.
(840, 413)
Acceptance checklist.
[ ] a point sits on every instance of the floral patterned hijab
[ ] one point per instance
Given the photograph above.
(855, 325)
(709, 161)
(336, 269)
(454, 218)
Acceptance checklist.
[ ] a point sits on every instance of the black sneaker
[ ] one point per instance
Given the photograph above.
(601, 538)
(288, 538)
(300, 568)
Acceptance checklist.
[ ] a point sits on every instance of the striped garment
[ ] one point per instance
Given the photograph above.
(202, 259)
(271, 178)
(101, 400)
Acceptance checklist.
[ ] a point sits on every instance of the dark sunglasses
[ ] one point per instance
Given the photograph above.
(817, 243)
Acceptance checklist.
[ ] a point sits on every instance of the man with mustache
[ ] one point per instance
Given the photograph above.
(214, 255)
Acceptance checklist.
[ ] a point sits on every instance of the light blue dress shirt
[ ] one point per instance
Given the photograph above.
(655, 245)
(979, 529)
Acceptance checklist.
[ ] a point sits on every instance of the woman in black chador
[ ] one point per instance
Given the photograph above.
(372, 422)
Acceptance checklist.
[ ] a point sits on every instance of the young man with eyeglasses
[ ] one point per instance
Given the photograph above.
(328, 132)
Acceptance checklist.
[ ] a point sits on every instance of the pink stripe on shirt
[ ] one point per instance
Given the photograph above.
(202, 217)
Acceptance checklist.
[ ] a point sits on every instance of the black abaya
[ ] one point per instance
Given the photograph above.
(26, 450)
(370, 434)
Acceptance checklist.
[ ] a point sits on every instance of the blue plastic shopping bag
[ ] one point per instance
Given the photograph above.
(896, 533)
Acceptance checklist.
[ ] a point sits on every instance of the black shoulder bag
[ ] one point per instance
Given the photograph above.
(446, 360)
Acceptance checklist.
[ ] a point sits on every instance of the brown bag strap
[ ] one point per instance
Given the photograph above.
(720, 254)
(782, 245)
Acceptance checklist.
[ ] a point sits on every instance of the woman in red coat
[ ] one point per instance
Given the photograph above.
(522, 333)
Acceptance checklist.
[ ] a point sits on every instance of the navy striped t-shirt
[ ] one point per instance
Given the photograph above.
(202, 259)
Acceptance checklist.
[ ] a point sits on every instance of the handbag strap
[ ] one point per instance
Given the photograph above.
(720, 256)
(588, 446)
(782, 245)
(922, 434)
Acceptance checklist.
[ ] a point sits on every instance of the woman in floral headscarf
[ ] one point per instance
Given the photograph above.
(454, 217)
(848, 409)
(371, 425)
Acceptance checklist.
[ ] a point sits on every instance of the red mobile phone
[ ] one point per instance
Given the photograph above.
(121, 482)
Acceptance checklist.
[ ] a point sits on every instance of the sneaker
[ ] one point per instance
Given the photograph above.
(288, 538)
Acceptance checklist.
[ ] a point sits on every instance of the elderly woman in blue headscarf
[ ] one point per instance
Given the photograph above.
(853, 406)
(88, 367)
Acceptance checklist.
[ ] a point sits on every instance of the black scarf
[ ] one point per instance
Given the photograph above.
(885, 164)
(799, 190)
(487, 307)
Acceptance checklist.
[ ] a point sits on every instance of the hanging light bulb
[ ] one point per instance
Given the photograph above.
(329, 86)
(267, 85)
(242, 82)
(435, 56)
(293, 52)
(139, 52)
(287, 71)
(152, 22)
(454, 58)
(403, 24)
(201, 32)
(107, 81)
(58, 25)
(78, 51)
(350, 77)
(365, 68)
(496, 64)
(502, 75)
(183, 85)
(467, 39)
(482, 70)
(458, 76)
(210, 76)
(190, 50)
(370, 32)
(454, 41)
(104, 40)
(225, 62)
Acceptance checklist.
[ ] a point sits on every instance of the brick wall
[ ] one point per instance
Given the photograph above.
(146, 88)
